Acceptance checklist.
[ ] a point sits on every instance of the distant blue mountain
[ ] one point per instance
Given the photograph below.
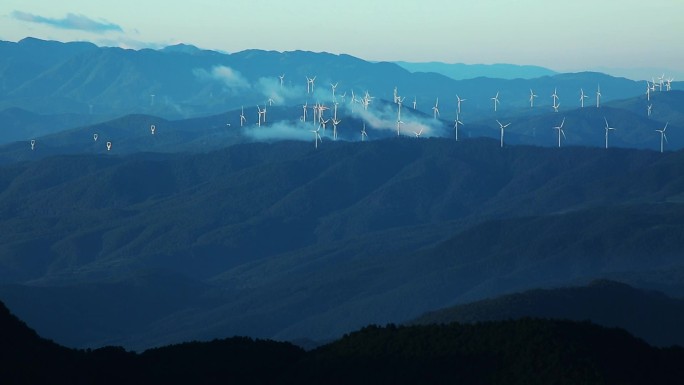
(460, 71)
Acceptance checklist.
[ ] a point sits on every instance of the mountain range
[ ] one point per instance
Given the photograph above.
(505, 352)
(358, 233)
(218, 223)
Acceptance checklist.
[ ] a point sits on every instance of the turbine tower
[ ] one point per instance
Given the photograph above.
(598, 96)
(608, 128)
(317, 137)
(435, 109)
(582, 97)
(560, 131)
(242, 116)
(458, 103)
(532, 96)
(456, 123)
(496, 100)
(663, 137)
(502, 131)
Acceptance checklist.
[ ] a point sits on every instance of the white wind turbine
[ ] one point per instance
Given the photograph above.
(598, 96)
(532, 96)
(324, 122)
(456, 123)
(310, 84)
(496, 100)
(668, 84)
(317, 137)
(363, 132)
(304, 107)
(95, 137)
(261, 113)
(648, 91)
(663, 137)
(282, 78)
(582, 97)
(435, 109)
(400, 101)
(650, 107)
(270, 101)
(560, 131)
(242, 116)
(608, 128)
(502, 131)
(33, 144)
(399, 123)
(418, 133)
(555, 101)
(414, 102)
(335, 122)
(458, 103)
(334, 87)
(153, 128)
(395, 94)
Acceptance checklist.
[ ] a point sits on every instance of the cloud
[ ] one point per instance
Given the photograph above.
(230, 78)
(279, 131)
(271, 89)
(71, 21)
(385, 118)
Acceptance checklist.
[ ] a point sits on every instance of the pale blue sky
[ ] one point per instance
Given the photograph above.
(562, 35)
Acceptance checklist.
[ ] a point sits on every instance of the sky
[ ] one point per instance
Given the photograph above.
(565, 36)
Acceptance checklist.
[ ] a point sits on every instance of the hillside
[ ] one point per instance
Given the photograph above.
(650, 315)
(526, 351)
(358, 233)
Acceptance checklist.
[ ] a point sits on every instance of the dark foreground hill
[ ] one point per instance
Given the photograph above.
(650, 315)
(508, 352)
(284, 241)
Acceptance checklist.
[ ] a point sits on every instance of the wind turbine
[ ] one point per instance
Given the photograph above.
(435, 109)
(324, 122)
(555, 107)
(310, 84)
(502, 130)
(458, 103)
(418, 133)
(270, 101)
(560, 131)
(109, 146)
(456, 123)
(282, 77)
(333, 86)
(582, 97)
(304, 106)
(650, 106)
(648, 91)
(554, 96)
(335, 123)
(668, 84)
(399, 123)
(363, 132)
(400, 101)
(95, 137)
(33, 144)
(242, 116)
(608, 128)
(532, 96)
(261, 112)
(414, 102)
(317, 137)
(496, 100)
(598, 96)
(153, 128)
(663, 136)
